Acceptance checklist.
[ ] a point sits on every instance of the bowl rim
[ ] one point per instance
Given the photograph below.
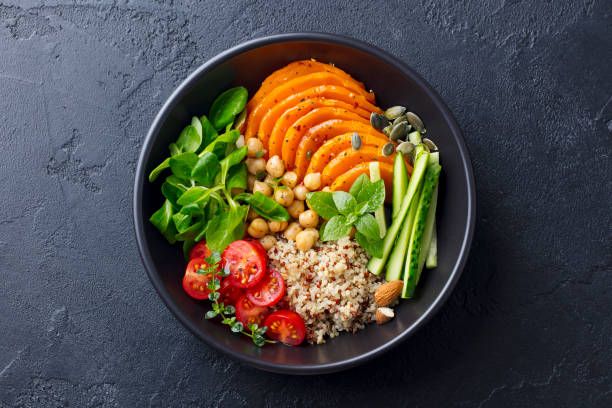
(140, 179)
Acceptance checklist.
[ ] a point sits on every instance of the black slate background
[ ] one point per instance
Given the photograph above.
(529, 324)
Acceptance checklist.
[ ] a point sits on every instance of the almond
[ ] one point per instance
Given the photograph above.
(384, 314)
(388, 292)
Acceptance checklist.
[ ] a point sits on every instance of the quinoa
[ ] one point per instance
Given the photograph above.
(328, 286)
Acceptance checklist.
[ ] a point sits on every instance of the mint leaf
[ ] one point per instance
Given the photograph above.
(345, 203)
(322, 203)
(371, 246)
(358, 185)
(374, 195)
(367, 225)
(335, 228)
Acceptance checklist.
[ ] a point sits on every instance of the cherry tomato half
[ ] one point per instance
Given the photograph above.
(286, 326)
(200, 250)
(244, 263)
(268, 291)
(194, 283)
(247, 313)
(229, 293)
(257, 245)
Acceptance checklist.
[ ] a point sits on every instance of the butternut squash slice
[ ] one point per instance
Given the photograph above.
(319, 134)
(348, 159)
(359, 103)
(294, 135)
(292, 115)
(333, 147)
(344, 181)
(292, 71)
(299, 84)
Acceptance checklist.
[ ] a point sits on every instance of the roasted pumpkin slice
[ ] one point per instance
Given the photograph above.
(299, 84)
(360, 106)
(294, 135)
(336, 145)
(348, 159)
(322, 132)
(344, 181)
(292, 71)
(292, 115)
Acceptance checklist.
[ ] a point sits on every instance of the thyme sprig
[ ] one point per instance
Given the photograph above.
(226, 311)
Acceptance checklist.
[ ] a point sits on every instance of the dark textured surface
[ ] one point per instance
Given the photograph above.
(529, 323)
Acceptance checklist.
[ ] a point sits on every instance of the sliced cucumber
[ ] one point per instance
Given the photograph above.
(395, 267)
(432, 256)
(416, 235)
(376, 265)
(400, 183)
(428, 231)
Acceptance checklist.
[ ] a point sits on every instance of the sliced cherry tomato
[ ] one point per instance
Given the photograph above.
(244, 263)
(257, 245)
(286, 326)
(247, 313)
(194, 283)
(200, 250)
(229, 293)
(268, 291)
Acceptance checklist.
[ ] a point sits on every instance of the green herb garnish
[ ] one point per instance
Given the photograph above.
(225, 312)
(344, 210)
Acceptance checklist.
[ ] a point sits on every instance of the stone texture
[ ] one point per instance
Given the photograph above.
(529, 323)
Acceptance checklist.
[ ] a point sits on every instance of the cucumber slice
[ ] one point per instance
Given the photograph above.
(376, 265)
(428, 231)
(395, 267)
(379, 214)
(416, 235)
(400, 183)
(432, 256)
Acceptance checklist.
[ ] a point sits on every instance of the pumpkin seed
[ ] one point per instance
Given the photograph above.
(260, 175)
(415, 121)
(400, 119)
(394, 111)
(387, 130)
(430, 144)
(399, 131)
(378, 121)
(309, 154)
(388, 149)
(356, 141)
(405, 147)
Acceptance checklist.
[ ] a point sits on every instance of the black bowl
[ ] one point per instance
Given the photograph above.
(394, 83)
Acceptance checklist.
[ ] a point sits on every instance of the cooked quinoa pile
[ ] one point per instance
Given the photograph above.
(328, 286)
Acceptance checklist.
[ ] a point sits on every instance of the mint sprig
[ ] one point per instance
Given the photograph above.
(219, 309)
(344, 210)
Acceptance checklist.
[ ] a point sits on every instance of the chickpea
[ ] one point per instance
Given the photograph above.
(312, 181)
(296, 208)
(258, 228)
(292, 230)
(268, 241)
(290, 179)
(327, 189)
(254, 146)
(263, 188)
(252, 215)
(284, 196)
(300, 192)
(277, 226)
(255, 165)
(309, 219)
(250, 182)
(314, 231)
(304, 240)
(269, 180)
(275, 166)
